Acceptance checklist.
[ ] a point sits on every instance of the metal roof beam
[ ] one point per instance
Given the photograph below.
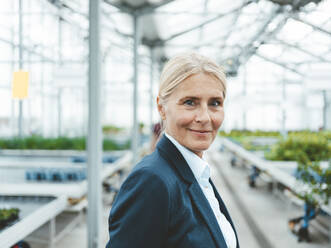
(139, 11)
(196, 13)
(230, 30)
(29, 50)
(65, 16)
(302, 50)
(217, 17)
(296, 5)
(208, 21)
(259, 38)
(122, 7)
(312, 25)
(149, 8)
(279, 63)
(69, 20)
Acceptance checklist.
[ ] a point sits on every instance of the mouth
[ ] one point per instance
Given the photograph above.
(200, 131)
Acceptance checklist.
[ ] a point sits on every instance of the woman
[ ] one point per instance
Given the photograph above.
(168, 200)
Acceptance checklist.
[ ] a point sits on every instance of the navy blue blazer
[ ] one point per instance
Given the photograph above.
(161, 205)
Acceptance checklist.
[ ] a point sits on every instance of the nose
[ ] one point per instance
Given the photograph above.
(202, 115)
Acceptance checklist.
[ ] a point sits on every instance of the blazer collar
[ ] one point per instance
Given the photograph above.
(171, 153)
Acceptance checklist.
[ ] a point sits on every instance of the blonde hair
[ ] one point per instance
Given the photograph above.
(183, 66)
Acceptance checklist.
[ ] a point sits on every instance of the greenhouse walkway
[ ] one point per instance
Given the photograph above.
(260, 217)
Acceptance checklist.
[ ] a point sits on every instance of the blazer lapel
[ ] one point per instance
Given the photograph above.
(207, 213)
(175, 158)
(224, 210)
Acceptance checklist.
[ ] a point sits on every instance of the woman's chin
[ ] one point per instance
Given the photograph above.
(199, 148)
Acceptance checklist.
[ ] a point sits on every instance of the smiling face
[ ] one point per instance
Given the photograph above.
(193, 113)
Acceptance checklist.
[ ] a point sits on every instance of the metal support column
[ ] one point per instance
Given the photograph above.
(94, 143)
(12, 115)
(325, 109)
(283, 130)
(305, 110)
(135, 133)
(59, 63)
(52, 232)
(43, 102)
(244, 92)
(20, 33)
(59, 112)
(42, 75)
(28, 66)
(59, 51)
(151, 89)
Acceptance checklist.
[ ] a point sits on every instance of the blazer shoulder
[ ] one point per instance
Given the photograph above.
(144, 198)
(155, 164)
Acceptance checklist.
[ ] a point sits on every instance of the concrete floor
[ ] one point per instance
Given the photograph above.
(259, 216)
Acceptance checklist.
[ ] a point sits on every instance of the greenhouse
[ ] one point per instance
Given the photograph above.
(112, 114)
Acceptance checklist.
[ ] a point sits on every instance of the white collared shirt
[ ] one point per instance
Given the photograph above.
(201, 171)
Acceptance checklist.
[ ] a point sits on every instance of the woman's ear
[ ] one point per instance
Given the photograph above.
(160, 108)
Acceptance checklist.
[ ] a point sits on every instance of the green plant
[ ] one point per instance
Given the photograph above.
(109, 145)
(316, 179)
(60, 143)
(313, 145)
(244, 133)
(111, 129)
(246, 138)
(7, 216)
(248, 143)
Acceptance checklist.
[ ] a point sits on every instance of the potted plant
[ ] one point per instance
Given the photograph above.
(315, 191)
(8, 216)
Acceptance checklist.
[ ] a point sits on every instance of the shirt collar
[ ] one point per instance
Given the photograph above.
(199, 167)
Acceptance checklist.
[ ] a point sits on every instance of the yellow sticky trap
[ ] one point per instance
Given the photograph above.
(20, 84)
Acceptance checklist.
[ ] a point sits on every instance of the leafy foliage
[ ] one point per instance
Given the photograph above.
(60, 143)
(246, 138)
(107, 129)
(244, 133)
(317, 180)
(314, 146)
(7, 216)
(305, 147)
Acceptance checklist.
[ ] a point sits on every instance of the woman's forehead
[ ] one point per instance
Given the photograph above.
(200, 84)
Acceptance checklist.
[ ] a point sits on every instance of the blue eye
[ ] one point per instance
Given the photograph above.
(189, 102)
(216, 103)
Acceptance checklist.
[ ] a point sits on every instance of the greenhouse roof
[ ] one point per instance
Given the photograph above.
(259, 41)
(295, 35)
